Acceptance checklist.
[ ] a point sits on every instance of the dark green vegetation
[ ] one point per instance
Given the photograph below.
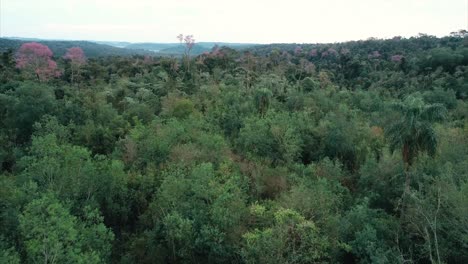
(336, 153)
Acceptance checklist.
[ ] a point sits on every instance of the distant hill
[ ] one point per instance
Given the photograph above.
(180, 49)
(59, 47)
(120, 48)
(118, 44)
(177, 48)
(156, 47)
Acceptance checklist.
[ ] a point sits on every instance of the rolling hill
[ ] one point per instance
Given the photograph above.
(119, 48)
(59, 47)
(177, 48)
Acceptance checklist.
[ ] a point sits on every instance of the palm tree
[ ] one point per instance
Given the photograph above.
(262, 98)
(413, 132)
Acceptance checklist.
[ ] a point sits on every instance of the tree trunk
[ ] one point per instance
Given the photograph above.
(407, 163)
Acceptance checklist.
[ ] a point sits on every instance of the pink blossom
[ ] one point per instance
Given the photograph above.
(36, 58)
(374, 55)
(332, 51)
(308, 66)
(215, 50)
(397, 58)
(76, 56)
(286, 55)
(297, 50)
(189, 42)
(344, 51)
(147, 60)
(313, 53)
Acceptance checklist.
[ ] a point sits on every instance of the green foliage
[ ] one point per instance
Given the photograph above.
(346, 138)
(24, 106)
(272, 137)
(413, 132)
(51, 234)
(276, 154)
(368, 231)
(174, 106)
(262, 100)
(9, 256)
(8, 253)
(291, 239)
(72, 173)
(309, 84)
(436, 213)
(198, 210)
(445, 58)
(380, 181)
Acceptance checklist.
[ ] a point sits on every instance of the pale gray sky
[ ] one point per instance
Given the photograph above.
(257, 21)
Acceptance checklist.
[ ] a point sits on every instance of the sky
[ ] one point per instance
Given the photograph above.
(246, 21)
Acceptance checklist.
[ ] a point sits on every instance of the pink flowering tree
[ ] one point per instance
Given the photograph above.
(35, 59)
(189, 42)
(397, 58)
(344, 51)
(374, 55)
(313, 53)
(77, 59)
(148, 60)
(298, 51)
(215, 51)
(333, 52)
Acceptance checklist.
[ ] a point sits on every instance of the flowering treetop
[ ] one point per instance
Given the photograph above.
(397, 58)
(36, 58)
(189, 42)
(297, 50)
(75, 55)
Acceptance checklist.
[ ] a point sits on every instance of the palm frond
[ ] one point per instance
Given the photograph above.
(434, 112)
(427, 140)
(397, 107)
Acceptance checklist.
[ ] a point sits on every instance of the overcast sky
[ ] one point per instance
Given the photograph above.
(254, 21)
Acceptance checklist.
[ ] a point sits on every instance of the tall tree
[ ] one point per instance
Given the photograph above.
(77, 59)
(189, 42)
(36, 59)
(413, 132)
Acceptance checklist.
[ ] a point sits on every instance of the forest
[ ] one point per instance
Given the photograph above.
(353, 152)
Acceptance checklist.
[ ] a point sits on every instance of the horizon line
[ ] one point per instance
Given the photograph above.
(251, 43)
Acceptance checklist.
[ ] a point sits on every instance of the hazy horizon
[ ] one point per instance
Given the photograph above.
(262, 22)
(208, 41)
